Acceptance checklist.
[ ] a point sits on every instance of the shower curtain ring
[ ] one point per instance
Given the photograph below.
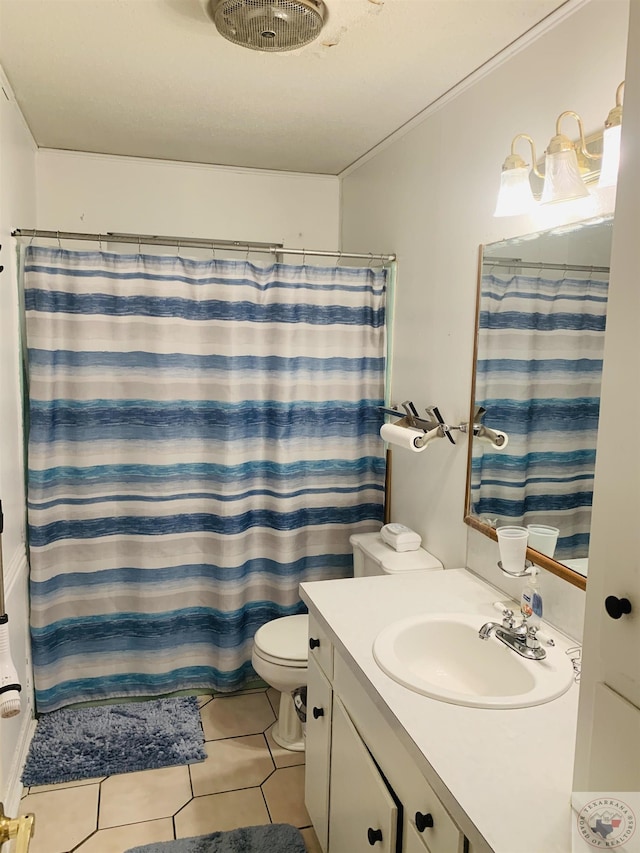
(246, 257)
(213, 252)
(304, 257)
(339, 258)
(139, 248)
(58, 236)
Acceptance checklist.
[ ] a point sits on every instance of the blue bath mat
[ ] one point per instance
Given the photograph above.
(271, 838)
(87, 742)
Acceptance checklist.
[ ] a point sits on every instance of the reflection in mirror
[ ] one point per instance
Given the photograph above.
(539, 347)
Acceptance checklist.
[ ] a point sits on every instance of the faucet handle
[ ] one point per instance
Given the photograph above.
(535, 637)
(508, 619)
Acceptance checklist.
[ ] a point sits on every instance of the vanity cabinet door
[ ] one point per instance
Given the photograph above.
(318, 751)
(320, 648)
(363, 814)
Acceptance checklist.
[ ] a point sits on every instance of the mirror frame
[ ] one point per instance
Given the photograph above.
(547, 563)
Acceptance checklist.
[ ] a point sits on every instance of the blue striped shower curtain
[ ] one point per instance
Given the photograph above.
(203, 436)
(539, 367)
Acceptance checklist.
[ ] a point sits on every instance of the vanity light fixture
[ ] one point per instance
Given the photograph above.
(562, 178)
(515, 196)
(565, 178)
(611, 143)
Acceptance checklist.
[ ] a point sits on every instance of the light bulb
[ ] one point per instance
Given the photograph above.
(610, 157)
(562, 178)
(515, 196)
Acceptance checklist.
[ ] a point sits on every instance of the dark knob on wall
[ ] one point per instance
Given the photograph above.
(423, 821)
(313, 643)
(318, 712)
(617, 607)
(374, 835)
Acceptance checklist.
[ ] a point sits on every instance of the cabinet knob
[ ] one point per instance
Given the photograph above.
(374, 835)
(617, 607)
(318, 712)
(313, 643)
(423, 821)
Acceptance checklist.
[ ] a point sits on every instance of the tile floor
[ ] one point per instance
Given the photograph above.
(246, 779)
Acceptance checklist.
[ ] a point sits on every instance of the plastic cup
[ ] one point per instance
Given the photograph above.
(543, 538)
(512, 542)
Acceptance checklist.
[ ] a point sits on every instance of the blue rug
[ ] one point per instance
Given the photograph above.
(100, 741)
(272, 838)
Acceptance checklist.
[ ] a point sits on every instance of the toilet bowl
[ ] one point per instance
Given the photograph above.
(280, 648)
(279, 657)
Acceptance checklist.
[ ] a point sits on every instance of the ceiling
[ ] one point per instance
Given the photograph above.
(153, 78)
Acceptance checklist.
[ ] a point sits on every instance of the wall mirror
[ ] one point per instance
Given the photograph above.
(540, 321)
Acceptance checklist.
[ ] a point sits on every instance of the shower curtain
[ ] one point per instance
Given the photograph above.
(203, 436)
(538, 375)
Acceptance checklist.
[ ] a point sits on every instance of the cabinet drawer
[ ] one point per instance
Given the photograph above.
(318, 749)
(413, 790)
(320, 648)
(363, 814)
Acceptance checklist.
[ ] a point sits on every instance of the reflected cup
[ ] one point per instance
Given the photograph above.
(512, 542)
(543, 538)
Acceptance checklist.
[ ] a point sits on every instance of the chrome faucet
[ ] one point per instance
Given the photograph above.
(522, 638)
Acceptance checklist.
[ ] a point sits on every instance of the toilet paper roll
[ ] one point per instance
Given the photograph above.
(502, 435)
(493, 436)
(401, 436)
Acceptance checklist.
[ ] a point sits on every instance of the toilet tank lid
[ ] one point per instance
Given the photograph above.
(392, 561)
(286, 637)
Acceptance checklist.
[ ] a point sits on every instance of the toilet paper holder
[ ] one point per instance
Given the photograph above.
(434, 425)
(499, 440)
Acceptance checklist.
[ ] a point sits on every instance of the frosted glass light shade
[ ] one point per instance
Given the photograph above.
(562, 178)
(610, 157)
(515, 196)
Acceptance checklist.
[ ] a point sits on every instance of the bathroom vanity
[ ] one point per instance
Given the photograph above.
(385, 763)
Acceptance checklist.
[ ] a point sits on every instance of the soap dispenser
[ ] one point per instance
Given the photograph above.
(531, 600)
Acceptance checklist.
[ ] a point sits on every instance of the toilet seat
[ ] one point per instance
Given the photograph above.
(284, 641)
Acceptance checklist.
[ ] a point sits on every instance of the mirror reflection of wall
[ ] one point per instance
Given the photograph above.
(541, 323)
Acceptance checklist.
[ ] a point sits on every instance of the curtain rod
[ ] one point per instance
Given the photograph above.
(516, 262)
(195, 243)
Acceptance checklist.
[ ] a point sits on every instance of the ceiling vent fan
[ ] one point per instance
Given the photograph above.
(268, 25)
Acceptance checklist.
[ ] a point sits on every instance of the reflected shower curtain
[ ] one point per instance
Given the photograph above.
(539, 370)
(203, 436)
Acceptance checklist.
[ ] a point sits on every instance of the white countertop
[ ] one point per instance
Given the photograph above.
(507, 774)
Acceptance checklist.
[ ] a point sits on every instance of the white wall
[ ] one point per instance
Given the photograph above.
(17, 204)
(99, 193)
(429, 196)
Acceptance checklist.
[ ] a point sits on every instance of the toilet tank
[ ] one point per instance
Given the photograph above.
(372, 556)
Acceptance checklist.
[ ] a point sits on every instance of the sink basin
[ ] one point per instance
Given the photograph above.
(441, 656)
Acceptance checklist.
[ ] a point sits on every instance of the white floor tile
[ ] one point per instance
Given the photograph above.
(121, 838)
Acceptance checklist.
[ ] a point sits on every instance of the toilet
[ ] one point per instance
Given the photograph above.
(280, 647)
